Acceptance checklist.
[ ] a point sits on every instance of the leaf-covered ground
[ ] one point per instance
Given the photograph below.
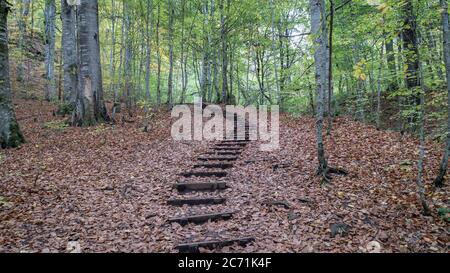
(106, 188)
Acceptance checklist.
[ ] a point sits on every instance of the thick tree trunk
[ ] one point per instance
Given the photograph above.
(90, 106)
(439, 181)
(69, 50)
(10, 135)
(49, 41)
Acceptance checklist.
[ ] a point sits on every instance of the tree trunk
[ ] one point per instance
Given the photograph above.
(148, 50)
(69, 50)
(170, 30)
(10, 134)
(224, 53)
(320, 57)
(49, 41)
(158, 52)
(439, 181)
(90, 106)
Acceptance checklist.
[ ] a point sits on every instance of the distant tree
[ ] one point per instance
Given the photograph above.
(10, 135)
(49, 41)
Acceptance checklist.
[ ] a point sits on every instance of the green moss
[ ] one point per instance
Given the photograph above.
(15, 138)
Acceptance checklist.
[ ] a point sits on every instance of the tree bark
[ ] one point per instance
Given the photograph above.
(170, 79)
(10, 134)
(320, 57)
(439, 181)
(69, 50)
(90, 106)
(49, 41)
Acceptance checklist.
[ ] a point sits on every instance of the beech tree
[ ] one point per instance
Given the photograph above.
(10, 134)
(90, 106)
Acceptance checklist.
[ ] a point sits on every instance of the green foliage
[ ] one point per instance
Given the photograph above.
(56, 125)
(444, 213)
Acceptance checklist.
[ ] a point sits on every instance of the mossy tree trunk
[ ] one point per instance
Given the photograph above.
(10, 135)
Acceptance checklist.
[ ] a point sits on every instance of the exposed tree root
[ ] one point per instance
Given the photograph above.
(326, 172)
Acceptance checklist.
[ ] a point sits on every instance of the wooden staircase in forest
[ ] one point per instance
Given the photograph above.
(211, 166)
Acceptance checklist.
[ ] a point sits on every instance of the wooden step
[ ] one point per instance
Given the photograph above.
(231, 144)
(233, 141)
(205, 174)
(214, 165)
(218, 158)
(223, 153)
(227, 149)
(201, 218)
(196, 201)
(213, 244)
(207, 186)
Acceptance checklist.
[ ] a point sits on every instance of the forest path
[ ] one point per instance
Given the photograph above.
(202, 182)
(111, 189)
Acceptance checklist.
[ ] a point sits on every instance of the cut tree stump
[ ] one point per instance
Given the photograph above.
(201, 218)
(204, 174)
(209, 186)
(194, 246)
(196, 201)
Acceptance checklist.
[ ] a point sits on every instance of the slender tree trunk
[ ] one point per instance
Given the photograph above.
(439, 181)
(390, 57)
(330, 70)
(50, 16)
(158, 52)
(380, 70)
(170, 30)
(69, 50)
(320, 57)
(148, 49)
(112, 61)
(275, 63)
(10, 134)
(23, 11)
(90, 106)
(224, 54)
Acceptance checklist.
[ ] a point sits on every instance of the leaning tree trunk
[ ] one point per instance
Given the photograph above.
(10, 135)
(439, 181)
(50, 15)
(90, 106)
(69, 49)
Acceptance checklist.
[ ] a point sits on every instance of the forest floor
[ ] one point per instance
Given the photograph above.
(106, 188)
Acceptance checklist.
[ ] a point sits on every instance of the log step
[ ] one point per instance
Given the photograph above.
(196, 201)
(214, 165)
(231, 144)
(201, 218)
(227, 149)
(234, 141)
(223, 153)
(210, 186)
(204, 174)
(218, 158)
(213, 244)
